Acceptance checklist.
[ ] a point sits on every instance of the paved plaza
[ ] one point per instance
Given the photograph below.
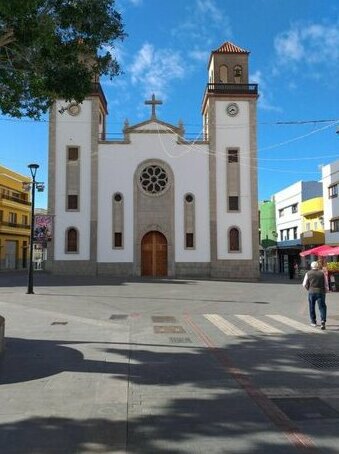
(102, 365)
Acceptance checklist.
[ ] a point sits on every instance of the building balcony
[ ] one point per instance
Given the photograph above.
(312, 237)
(14, 199)
(14, 225)
(312, 207)
(232, 89)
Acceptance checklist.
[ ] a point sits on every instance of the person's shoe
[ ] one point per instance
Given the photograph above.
(313, 324)
(323, 326)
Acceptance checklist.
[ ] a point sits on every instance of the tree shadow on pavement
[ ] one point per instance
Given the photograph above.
(181, 399)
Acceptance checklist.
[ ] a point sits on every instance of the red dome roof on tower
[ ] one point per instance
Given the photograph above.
(230, 48)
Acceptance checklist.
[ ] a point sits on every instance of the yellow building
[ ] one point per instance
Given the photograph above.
(312, 213)
(15, 213)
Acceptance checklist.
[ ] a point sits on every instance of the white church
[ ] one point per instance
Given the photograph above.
(154, 203)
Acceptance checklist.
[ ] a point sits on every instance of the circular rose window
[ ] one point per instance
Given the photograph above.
(153, 179)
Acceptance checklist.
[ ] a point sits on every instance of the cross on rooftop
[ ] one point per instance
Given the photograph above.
(153, 102)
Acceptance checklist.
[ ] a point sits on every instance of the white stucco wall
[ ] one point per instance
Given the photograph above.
(330, 176)
(284, 200)
(233, 132)
(117, 165)
(76, 131)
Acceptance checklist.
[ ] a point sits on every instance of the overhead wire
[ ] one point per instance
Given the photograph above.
(222, 155)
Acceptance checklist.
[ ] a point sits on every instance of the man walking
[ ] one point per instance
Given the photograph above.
(316, 283)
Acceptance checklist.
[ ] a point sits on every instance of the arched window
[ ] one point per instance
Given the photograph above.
(223, 74)
(189, 220)
(237, 73)
(234, 239)
(118, 220)
(72, 240)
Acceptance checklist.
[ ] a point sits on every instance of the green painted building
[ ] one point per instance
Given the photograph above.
(268, 236)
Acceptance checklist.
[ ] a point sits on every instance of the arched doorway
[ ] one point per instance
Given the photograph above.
(154, 254)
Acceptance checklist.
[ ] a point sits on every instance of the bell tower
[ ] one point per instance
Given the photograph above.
(228, 65)
(229, 118)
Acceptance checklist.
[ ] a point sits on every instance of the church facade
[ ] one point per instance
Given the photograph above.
(154, 203)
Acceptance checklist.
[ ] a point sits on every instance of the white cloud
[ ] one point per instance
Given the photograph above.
(205, 22)
(210, 9)
(153, 70)
(288, 46)
(199, 55)
(116, 52)
(311, 44)
(265, 102)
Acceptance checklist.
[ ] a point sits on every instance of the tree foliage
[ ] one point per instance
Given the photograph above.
(53, 49)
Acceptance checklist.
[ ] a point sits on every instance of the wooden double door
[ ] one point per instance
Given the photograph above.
(154, 254)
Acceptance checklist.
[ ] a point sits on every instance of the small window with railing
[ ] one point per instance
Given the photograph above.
(233, 203)
(72, 202)
(12, 217)
(73, 153)
(333, 191)
(334, 225)
(232, 156)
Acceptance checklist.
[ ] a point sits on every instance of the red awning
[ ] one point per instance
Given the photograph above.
(332, 251)
(319, 250)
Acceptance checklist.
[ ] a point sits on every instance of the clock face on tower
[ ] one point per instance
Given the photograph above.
(232, 109)
(74, 109)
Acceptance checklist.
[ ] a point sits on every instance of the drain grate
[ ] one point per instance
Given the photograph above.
(59, 323)
(164, 319)
(321, 360)
(168, 329)
(118, 317)
(180, 340)
(303, 408)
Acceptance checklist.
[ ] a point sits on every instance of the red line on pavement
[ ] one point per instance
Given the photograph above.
(281, 421)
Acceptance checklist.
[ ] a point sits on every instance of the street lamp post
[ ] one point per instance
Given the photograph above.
(40, 187)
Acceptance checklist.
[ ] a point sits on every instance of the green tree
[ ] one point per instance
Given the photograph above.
(53, 49)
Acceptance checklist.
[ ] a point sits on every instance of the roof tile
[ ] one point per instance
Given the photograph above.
(230, 48)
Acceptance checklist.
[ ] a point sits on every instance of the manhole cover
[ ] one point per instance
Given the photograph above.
(321, 360)
(118, 317)
(169, 329)
(163, 319)
(180, 340)
(301, 408)
(59, 323)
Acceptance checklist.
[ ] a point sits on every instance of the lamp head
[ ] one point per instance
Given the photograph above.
(33, 168)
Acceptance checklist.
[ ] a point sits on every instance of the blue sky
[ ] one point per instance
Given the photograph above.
(294, 57)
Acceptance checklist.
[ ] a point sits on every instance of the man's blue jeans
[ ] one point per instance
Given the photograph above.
(312, 299)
